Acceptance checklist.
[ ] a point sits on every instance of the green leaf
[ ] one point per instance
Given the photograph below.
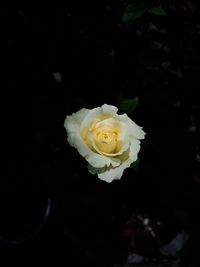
(158, 11)
(128, 105)
(135, 165)
(132, 11)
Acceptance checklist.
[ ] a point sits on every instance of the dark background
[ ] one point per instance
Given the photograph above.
(99, 57)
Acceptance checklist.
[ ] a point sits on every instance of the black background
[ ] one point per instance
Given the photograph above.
(99, 58)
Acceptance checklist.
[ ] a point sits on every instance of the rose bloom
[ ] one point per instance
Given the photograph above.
(109, 142)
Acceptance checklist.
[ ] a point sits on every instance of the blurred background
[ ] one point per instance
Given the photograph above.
(144, 58)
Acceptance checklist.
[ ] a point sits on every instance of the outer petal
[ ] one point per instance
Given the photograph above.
(110, 174)
(105, 110)
(108, 168)
(72, 125)
(136, 130)
(90, 117)
(109, 109)
(134, 147)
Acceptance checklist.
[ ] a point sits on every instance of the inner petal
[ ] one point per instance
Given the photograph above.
(106, 135)
(106, 141)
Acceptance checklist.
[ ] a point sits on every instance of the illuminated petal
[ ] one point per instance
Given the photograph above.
(110, 174)
(72, 123)
(97, 133)
(109, 109)
(74, 138)
(90, 118)
(135, 130)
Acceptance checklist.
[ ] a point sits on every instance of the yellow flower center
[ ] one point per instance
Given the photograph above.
(106, 140)
(103, 136)
(106, 135)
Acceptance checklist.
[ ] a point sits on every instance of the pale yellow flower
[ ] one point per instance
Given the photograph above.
(109, 142)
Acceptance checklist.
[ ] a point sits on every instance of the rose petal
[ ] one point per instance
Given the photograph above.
(124, 138)
(72, 125)
(112, 156)
(136, 130)
(110, 174)
(108, 166)
(90, 117)
(135, 146)
(109, 109)
(105, 111)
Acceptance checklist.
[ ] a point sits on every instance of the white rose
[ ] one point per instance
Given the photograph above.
(108, 141)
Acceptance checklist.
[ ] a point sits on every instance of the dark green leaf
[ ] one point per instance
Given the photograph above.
(158, 11)
(128, 105)
(132, 11)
